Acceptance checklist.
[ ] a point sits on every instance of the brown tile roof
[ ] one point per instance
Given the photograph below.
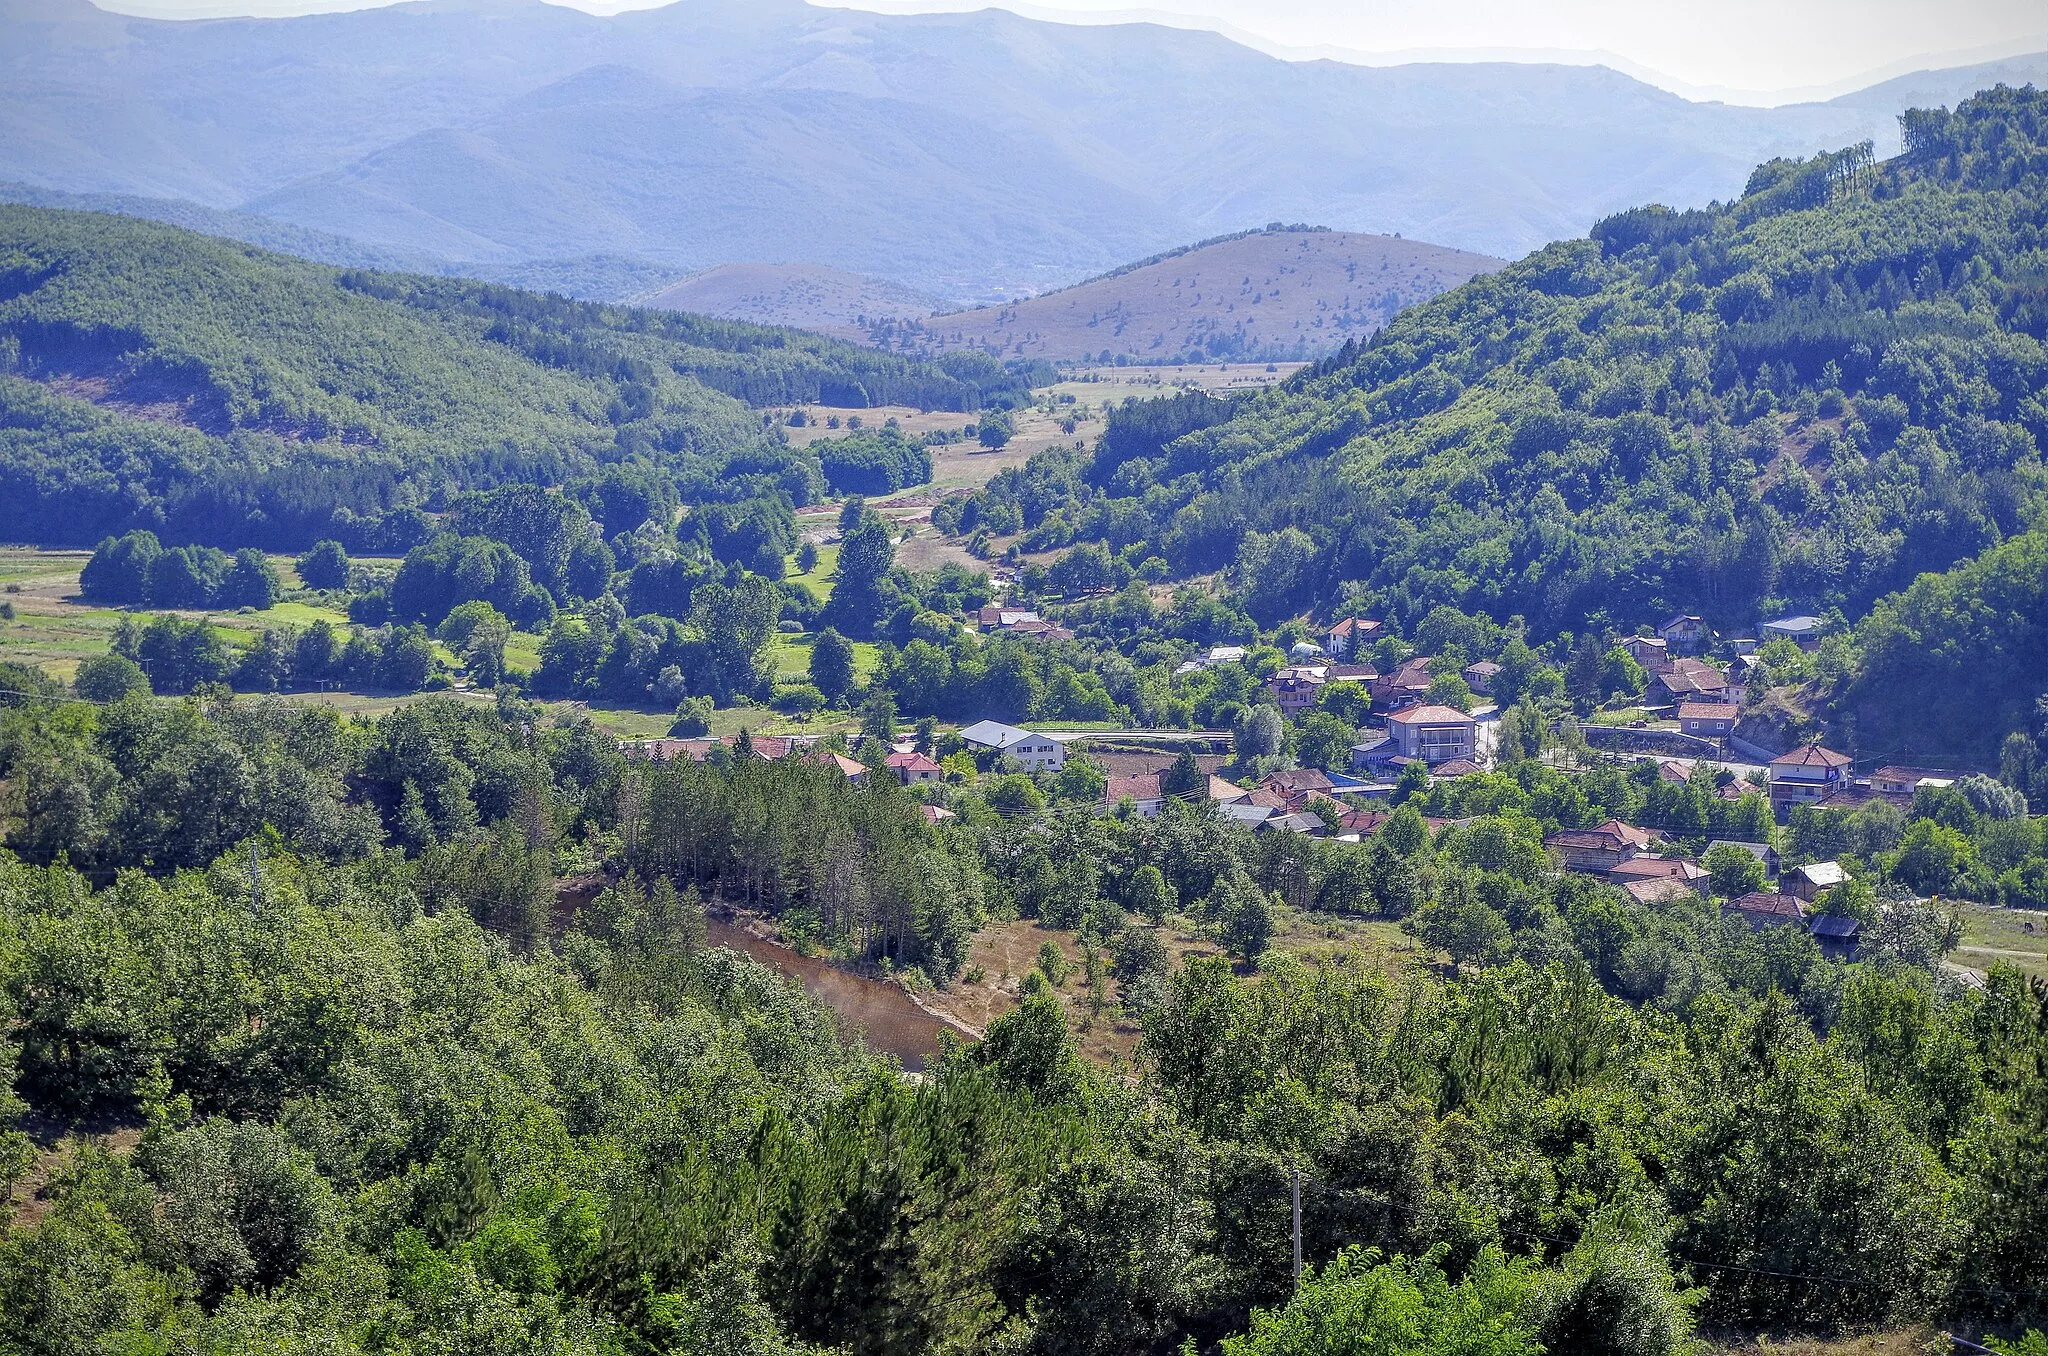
(1298, 779)
(912, 762)
(1811, 755)
(1225, 791)
(1351, 673)
(1432, 715)
(1707, 711)
(1659, 868)
(1268, 797)
(1456, 767)
(1353, 626)
(934, 813)
(1657, 890)
(1762, 904)
(1669, 771)
(1145, 787)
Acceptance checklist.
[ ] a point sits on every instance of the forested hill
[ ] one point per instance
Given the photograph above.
(1801, 399)
(153, 377)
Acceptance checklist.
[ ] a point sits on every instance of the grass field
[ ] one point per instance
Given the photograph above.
(2017, 936)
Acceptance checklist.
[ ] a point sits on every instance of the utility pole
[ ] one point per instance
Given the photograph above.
(1294, 1178)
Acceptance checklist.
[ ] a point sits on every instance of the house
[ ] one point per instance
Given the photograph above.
(1434, 734)
(1685, 634)
(1404, 686)
(1763, 852)
(1683, 680)
(914, 768)
(1299, 781)
(1683, 870)
(1742, 646)
(1806, 776)
(1373, 753)
(1457, 767)
(1039, 629)
(1143, 792)
(1806, 882)
(1675, 773)
(1707, 720)
(1226, 793)
(1658, 890)
(1301, 821)
(1350, 636)
(1762, 909)
(1649, 651)
(852, 769)
(1839, 936)
(933, 814)
(1246, 813)
(1295, 689)
(1598, 849)
(1801, 631)
(1899, 783)
(1479, 677)
(997, 617)
(1037, 752)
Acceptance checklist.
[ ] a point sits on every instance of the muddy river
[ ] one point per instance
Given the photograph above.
(881, 1012)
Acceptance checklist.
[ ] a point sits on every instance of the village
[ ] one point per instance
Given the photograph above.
(1409, 743)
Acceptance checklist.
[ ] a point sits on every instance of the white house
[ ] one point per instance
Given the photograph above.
(1037, 752)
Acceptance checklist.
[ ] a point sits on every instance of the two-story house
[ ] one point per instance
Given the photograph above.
(1685, 634)
(1806, 775)
(1435, 734)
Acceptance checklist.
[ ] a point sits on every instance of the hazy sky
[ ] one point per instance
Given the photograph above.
(1751, 50)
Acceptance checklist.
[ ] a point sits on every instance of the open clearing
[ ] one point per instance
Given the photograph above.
(2019, 937)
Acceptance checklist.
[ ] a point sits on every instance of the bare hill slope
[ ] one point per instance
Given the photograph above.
(1277, 293)
(808, 296)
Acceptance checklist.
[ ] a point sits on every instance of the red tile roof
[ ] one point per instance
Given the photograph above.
(913, 762)
(1660, 868)
(1145, 787)
(1761, 904)
(1811, 755)
(1432, 715)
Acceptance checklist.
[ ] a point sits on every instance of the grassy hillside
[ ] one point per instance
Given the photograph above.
(1279, 293)
(153, 377)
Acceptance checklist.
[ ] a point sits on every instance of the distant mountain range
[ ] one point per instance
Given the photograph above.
(975, 157)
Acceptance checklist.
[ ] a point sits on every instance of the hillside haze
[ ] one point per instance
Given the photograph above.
(808, 296)
(969, 155)
(1274, 294)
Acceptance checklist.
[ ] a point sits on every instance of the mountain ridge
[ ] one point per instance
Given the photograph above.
(1134, 137)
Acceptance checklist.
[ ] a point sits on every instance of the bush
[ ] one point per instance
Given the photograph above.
(110, 677)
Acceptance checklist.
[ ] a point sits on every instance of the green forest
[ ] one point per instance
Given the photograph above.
(360, 1082)
(152, 378)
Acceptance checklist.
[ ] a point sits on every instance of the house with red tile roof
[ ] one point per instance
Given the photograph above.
(1763, 909)
(1347, 637)
(1806, 776)
(1143, 792)
(1434, 734)
(914, 768)
(1707, 720)
(1599, 849)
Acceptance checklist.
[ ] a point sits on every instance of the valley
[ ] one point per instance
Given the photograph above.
(1491, 806)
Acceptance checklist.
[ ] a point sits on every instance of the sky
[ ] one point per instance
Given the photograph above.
(1745, 51)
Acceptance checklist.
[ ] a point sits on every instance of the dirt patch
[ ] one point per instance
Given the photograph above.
(1911, 1342)
(56, 1145)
